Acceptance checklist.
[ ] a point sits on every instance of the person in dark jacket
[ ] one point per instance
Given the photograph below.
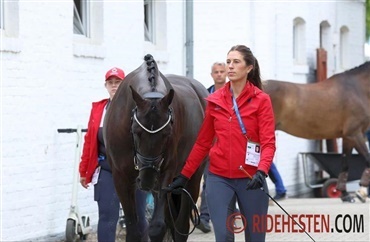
(240, 119)
(95, 170)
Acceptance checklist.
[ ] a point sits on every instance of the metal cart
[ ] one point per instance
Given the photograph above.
(331, 164)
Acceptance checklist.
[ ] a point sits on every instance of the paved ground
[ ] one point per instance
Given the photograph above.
(335, 221)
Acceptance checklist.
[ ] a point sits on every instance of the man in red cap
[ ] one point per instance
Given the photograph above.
(95, 170)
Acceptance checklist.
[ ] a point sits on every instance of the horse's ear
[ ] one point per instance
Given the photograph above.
(137, 98)
(167, 100)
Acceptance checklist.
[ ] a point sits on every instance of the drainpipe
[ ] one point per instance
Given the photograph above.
(189, 41)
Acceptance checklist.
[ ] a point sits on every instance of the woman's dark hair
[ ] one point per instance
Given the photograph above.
(253, 76)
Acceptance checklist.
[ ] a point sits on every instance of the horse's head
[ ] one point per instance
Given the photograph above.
(151, 129)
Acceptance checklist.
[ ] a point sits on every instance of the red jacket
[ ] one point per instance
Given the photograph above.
(229, 149)
(89, 158)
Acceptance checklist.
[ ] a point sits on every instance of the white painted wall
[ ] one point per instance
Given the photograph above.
(49, 79)
(267, 28)
(45, 87)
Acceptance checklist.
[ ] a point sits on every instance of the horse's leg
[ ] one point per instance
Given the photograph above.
(361, 148)
(126, 192)
(157, 226)
(343, 175)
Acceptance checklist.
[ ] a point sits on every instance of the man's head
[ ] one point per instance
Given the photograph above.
(113, 79)
(218, 73)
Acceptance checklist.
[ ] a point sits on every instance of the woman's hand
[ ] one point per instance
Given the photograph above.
(83, 182)
(257, 181)
(178, 183)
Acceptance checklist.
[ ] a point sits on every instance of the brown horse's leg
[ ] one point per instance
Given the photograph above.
(342, 181)
(342, 186)
(157, 226)
(126, 193)
(362, 193)
(361, 148)
(365, 178)
(343, 176)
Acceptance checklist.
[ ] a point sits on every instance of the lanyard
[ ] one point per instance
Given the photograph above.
(238, 115)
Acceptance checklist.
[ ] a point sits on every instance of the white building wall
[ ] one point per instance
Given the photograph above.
(45, 86)
(49, 79)
(267, 28)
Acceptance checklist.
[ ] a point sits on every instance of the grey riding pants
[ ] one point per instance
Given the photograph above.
(221, 193)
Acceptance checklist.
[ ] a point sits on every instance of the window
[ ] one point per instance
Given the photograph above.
(81, 17)
(344, 44)
(88, 22)
(299, 42)
(155, 29)
(149, 21)
(325, 35)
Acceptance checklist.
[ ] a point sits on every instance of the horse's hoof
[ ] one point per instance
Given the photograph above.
(348, 199)
(361, 194)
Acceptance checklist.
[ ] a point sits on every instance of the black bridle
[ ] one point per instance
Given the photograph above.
(142, 162)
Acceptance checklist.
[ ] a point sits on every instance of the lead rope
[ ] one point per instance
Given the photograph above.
(194, 213)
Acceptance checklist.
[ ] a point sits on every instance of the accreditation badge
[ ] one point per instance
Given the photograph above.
(253, 153)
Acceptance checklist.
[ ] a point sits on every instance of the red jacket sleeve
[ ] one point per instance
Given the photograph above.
(266, 126)
(201, 147)
(86, 148)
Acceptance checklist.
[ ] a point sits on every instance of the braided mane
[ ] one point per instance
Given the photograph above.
(152, 69)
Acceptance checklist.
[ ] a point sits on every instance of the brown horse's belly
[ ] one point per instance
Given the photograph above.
(307, 132)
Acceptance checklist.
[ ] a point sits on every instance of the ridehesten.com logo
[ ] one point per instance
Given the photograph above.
(298, 223)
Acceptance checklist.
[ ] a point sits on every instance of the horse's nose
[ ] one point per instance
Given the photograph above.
(141, 186)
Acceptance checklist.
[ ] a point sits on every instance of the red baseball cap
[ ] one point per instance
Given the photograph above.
(115, 71)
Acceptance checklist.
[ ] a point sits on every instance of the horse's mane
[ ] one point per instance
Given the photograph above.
(361, 68)
(153, 71)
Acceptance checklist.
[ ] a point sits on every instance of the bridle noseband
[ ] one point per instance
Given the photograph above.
(153, 131)
(139, 159)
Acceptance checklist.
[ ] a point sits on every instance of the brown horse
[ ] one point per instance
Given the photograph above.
(338, 107)
(150, 128)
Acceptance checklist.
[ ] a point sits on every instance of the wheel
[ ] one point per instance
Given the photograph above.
(71, 235)
(329, 189)
(86, 223)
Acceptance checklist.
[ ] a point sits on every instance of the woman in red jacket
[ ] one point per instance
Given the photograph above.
(240, 117)
(95, 169)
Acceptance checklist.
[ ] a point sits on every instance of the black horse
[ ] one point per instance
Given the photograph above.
(149, 129)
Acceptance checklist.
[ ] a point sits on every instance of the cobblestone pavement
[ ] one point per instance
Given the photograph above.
(324, 219)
